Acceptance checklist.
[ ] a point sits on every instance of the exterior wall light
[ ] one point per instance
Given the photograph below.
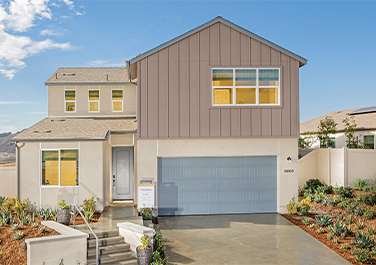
(289, 159)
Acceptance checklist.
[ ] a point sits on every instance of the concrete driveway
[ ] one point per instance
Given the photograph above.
(241, 239)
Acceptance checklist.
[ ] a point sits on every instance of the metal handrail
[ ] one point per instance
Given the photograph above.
(74, 226)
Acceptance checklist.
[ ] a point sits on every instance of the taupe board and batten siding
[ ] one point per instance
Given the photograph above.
(174, 86)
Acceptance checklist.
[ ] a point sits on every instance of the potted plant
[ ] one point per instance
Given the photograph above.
(63, 214)
(147, 215)
(144, 252)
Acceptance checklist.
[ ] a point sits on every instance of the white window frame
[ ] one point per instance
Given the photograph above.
(364, 142)
(116, 100)
(257, 87)
(75, 100)
(41, 169)
(88, 98)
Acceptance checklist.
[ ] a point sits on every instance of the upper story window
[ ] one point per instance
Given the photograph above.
(70, 100)
(60, 167)
(246, 86)
(369, 142)
(93, 100)
(117, 100)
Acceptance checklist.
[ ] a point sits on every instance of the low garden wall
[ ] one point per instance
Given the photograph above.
(8, 180)
(70, 245)
(337, 166)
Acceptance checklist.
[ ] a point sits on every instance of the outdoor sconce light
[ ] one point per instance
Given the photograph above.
(289, 159)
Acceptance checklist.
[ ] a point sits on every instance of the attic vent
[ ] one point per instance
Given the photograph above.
(69, 74)
(44, 131)
(338, 112)
(58, 120)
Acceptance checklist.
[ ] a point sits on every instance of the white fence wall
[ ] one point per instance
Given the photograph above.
(337, 166)
(8, 181)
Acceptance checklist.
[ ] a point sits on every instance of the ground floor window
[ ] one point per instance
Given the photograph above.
(332, 143)
(369, 142)
(60, 167)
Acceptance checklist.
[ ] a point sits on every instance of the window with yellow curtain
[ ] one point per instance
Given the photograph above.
(246, 86)
(70, 100)
(117, 100)
(94, 100)
(60, 168)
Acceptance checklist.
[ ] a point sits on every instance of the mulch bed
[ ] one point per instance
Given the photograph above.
(12, 251)
(333, 210)
(80, 220)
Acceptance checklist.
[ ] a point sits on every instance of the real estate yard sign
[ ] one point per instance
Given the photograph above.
(146, 196)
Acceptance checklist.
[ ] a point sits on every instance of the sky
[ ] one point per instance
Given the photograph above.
(39, 36)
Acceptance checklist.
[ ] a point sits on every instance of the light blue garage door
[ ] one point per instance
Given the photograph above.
(217, 185)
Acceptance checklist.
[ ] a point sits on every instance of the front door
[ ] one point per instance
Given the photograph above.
(122, 173)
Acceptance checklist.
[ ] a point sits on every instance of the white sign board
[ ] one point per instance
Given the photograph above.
(146, 196)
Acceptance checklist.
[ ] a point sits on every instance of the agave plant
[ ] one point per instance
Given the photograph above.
(337, 229)
(323, 220)
(360, 184)
(18, 235)
(363, 241)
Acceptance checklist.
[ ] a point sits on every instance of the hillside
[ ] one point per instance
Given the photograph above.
(5, 144)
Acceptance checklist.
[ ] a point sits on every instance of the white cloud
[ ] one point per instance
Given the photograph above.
(4, 120)
(11, 102)
(106, 63)
(51, 32)
(7, 128)
(16, 18)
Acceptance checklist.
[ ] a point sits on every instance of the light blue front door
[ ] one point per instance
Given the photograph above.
(217, 185)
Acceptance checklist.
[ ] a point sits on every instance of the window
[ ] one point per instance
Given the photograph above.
(59, 167)
(246, 86)
(369, 142)
(70, 100)
(332, 143)
(117, 100)
(93, 100)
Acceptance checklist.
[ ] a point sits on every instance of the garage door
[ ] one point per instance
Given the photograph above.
(217, 185)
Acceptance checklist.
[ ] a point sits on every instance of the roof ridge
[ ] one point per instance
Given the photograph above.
(94, 67)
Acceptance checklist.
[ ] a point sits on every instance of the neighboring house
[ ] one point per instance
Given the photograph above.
(217, 128)
(365, 119)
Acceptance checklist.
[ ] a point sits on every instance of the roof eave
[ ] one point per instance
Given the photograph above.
(302, 61)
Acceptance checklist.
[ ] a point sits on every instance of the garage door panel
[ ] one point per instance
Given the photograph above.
(215, 185)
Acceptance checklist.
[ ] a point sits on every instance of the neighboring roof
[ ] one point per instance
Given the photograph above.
(89, 75)
(363, 110)
(302, 60)
(364, 121)
(50, 129)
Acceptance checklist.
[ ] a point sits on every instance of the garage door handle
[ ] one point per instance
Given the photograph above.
(113, 180)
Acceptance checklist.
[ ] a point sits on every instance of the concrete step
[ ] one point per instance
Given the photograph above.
(105, 241)
(118, 248)
(127, 262)
(104, 234)
(115, 258)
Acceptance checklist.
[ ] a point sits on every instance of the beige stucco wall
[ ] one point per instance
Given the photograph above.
(287, 184)
(90, 175)
(56, 103)
(8, 181)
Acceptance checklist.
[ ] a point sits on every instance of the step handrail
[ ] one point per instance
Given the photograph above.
(87, 223)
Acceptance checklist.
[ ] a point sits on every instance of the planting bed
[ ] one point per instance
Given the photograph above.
(11, 249)
(340, 209)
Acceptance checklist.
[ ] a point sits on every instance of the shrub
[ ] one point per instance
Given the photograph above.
(305, 221)
(323, 220)
(363, 241)
(359, 210)
(345, 246)
(292, 207)
(370, 230)
(369, 214)
(89, 214)
(337, 229)
(5, 217)
(360, 225)
(35, 225)
(363, 256)
(313, 184)
(42, 229)
(360, 184)
(320, 230)
(13, 204)
(318, 197)
(147, 214)
(63, 205)
(330, 236)
(335, 240)
(160, 248)
(24, 246)
(325, 189)
(18, 235)
(349, 220)
(89, 208)
(311, 226)
(344, 192)
(15, 226)
(349, 230)
(304, 206)
(362, 198)
(2, 199)
(145, 243)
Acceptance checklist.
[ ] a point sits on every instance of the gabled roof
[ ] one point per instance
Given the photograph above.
(89, 75)
(302, 61)
(74, 129)
(364, 121)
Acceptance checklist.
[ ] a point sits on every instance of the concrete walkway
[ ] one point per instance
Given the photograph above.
(228, 239)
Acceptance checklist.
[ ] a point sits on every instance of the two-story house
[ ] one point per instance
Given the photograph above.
(217, 127)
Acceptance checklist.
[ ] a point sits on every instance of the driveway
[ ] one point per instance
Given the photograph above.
(241, 239)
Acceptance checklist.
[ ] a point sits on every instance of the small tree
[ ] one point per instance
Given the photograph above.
(305, 141)
(327, 127)
(351, 140)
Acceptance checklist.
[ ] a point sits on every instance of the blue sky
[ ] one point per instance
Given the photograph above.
(39, 36)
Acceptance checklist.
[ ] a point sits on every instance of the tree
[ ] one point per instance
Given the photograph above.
(326, 127)
(306, 141)
(351, 140)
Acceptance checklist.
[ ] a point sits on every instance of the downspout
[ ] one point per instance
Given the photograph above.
(18, 166)
(128, 64)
